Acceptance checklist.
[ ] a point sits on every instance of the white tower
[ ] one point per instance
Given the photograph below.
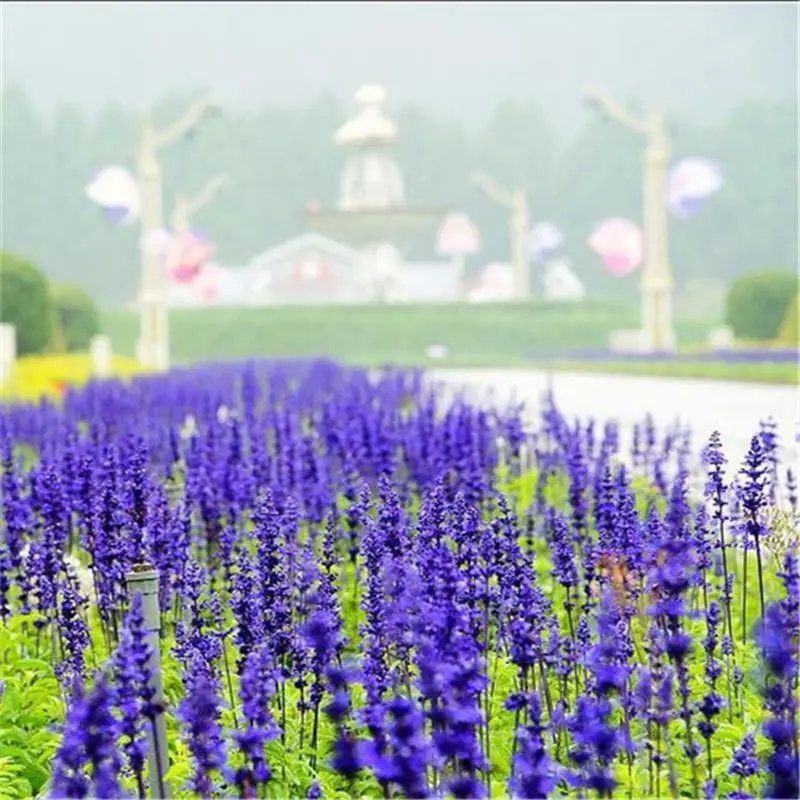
(371, 178)
(371, 213)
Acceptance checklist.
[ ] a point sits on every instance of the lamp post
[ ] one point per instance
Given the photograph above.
(657, 282)
(518, 225)
(152, 348)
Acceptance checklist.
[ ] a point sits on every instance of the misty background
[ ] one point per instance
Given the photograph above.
(490, 86)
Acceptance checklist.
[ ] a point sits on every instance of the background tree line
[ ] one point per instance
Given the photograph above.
(47, 317)
(279, 159)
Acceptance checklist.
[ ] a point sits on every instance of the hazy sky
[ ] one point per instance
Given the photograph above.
(696, 59)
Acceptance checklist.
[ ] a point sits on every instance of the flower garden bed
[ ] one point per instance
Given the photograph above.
(366, 591)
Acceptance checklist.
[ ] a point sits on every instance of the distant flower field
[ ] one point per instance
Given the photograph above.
(368, 591)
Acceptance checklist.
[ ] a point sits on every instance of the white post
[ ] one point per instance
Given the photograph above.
(457, 260)
(657, 281)
(152, 348)
(101, 355)
(8, 353)
(518, 229)
(143, 580)
(520, 225)
(658, 332)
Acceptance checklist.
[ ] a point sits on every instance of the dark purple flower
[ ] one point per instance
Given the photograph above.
(534, 774)
(133, 694)
(403, 756)
(773, 636)
(745, 761)
(89, 741)
(199, 712)
(259, 683)
(74, 635)
(346, 758)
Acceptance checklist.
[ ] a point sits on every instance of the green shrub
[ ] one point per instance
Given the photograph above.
(757, 303)
(26, 303)
(76, 317)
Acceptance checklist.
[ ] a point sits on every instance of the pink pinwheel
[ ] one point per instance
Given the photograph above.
(618, 242)
(690, 183)
(208, 283)
(188, 252)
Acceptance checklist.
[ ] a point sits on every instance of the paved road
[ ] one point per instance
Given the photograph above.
(730, 407)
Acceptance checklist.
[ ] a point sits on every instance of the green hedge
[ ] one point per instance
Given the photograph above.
(757, 303)
(76, 316)
(26, 303)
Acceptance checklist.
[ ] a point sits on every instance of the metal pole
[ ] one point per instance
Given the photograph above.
(143, 580)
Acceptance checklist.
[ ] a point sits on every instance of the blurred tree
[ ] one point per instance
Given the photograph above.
(789, 335)
(26, 303)
(757, 303)
(77, 319)
(598, 175)
(753, 218)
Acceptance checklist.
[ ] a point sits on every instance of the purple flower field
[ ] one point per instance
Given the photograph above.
(367, 591)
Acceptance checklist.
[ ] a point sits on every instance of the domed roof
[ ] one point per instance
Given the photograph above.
(370, 124)
(370, 94)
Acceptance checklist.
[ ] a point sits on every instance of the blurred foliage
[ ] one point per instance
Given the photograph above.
(788, 334)
(77, 319)
(26, 303)
(279, 159)
(30, 708)
(757, 303)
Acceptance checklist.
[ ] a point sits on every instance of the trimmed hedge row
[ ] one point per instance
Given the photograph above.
(759, 304)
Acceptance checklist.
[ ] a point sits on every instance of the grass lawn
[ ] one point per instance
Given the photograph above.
(758, 372)
(479, 335)
(536, 335)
